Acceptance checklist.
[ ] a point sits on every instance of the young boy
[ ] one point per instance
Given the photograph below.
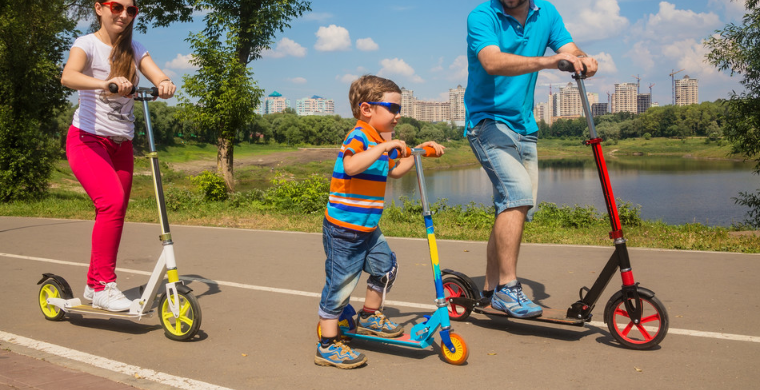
(352, 240)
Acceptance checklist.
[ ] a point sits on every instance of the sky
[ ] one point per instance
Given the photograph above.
(421, 45)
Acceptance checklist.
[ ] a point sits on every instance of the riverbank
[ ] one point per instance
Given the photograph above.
(257, 165)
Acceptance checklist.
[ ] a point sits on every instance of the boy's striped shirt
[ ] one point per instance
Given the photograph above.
(356, 202)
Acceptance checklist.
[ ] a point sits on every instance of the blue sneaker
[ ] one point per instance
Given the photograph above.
(379, 325)
(339, 355)
(513, 301)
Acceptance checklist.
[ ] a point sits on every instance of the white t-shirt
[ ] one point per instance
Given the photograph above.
(101, 112)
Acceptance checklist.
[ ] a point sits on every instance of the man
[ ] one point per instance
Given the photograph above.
(506, 41)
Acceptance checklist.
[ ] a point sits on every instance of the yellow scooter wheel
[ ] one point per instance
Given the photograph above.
(189, 321)
(50, 289)
(460, 354)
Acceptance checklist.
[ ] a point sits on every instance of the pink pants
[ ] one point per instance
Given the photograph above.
(104, 168)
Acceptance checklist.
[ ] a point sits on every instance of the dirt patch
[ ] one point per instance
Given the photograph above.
(295, 157)
(745, 233)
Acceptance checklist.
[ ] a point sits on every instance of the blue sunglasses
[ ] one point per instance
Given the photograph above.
(393, 108)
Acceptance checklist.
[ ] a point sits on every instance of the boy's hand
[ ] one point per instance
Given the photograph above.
(439, 149)
(396, 144)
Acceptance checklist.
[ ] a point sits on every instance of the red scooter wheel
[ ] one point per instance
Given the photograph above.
(454, 288)
(649, 332)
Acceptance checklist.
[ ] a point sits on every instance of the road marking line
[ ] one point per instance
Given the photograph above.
(683, 332)
(108, 364)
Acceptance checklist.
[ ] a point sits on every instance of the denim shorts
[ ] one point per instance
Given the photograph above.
(511, 162)
(349, 252)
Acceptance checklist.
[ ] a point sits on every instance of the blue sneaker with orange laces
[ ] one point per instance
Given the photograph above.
(338, 355)
(378, 325)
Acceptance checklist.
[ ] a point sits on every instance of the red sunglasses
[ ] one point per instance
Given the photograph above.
(117, 8)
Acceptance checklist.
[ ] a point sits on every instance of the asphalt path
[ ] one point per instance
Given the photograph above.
(259, 292)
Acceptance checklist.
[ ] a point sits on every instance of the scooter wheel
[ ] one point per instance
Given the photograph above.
(460, 354)
(189, 321)
(649, 332)
(454, 288)
(51, 289)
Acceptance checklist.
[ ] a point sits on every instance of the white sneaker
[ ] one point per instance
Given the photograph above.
(111, 299)
(88, 292)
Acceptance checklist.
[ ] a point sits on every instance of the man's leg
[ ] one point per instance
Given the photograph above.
(504, 247)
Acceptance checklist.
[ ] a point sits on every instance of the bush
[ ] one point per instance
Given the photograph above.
(308, 196)
(211, 185)
(26, 158)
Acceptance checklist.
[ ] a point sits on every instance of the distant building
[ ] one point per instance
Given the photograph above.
(625, 98)
(687, 91)
(315, 105)
(456, 103)
(599, 109)
(644, 102)
(432, 111)
(542, 112)
(273, 103)
(570, 101)
(407, 102)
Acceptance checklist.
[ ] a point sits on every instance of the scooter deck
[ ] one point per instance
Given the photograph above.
(553, 316)
(87, 309)
(405, 339)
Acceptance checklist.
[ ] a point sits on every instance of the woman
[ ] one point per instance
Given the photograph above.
(99, 141)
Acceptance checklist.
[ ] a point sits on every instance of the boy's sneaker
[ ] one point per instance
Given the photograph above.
(513, 301)
(110, 299)
(338, 355)
(88, 292)
(379, 325)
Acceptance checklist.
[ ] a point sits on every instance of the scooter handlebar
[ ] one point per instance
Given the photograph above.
(427, 151)
(567, 66)
(153, 91)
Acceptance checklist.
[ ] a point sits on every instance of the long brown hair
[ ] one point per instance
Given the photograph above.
(122, 56)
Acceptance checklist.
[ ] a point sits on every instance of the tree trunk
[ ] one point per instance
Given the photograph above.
(224, 161)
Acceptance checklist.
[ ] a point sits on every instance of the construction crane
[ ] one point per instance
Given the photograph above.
(673, 81)
(650, 89)
(638, 84)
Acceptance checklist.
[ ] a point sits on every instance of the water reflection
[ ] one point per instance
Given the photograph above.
(673, 189)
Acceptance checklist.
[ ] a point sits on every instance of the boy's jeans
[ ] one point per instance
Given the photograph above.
(350, 252)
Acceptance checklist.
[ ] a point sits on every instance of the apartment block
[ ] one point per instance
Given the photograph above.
(687, 91)
(315, 105)
(625, 98)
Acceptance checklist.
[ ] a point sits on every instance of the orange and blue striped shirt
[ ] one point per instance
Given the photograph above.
(356, 202)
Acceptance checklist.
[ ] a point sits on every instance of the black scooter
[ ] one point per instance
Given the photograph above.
(634, 316)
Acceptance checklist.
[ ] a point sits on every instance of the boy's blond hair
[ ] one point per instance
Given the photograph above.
(369, 88)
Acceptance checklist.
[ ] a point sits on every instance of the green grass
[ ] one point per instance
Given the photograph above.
(246, 209)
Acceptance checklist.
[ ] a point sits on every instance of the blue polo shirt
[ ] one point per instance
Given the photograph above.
(508, 99)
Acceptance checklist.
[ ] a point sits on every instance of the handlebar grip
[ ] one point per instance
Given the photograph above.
(429, 152)
(567, 66)
(115, 88)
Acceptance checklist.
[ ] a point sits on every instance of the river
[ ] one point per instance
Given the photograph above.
(675, 190)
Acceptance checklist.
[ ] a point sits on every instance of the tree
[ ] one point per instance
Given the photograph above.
(34, 34)
(737, 48)
(249, 27)
(226, 93)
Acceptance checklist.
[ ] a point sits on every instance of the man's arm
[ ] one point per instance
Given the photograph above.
(591, 65)
(505, 64)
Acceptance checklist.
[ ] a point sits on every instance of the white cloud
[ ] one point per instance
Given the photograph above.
(397, 66)
(366, 44)
(733, 10)
(591, 20)
(606, 63)
(285, 47)
(689, 55)
(458, 69)
(671, 24)
(181, 62)
(297, 80)
(346, 78)
(332, 38)
(641, 56)
(439, 66)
